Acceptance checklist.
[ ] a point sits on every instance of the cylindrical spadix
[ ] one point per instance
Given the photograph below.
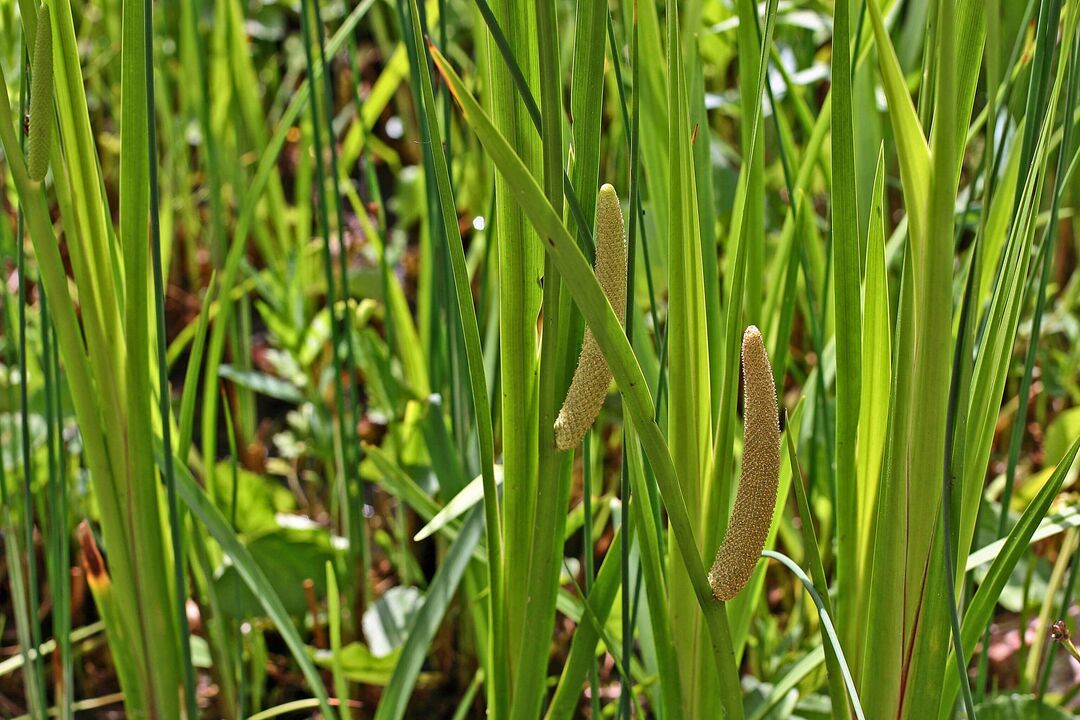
(756, 496)
(593, 376)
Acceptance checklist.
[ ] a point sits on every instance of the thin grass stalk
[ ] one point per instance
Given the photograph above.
(690, 429)
(548, 512)
(183, 630)
(333, 613)
(1037, 89)
(33, 691)
(63, 547)
(588, 616)
(587, 556)
(846, 258)
(244, 222)
(157, 636)
(193, 51)
(520, 297)
(345, 430)
(748, 49)
(234, 627)
(636, 229)
(650, 533)
(58, 575)
(499, 675)
(360, 553)
(429, 291)
(78, 368)
(582, 654)
(626, 495)
(1003, 314)
(1043, 626)
(948, 478)
(985, 598)
(11, 547)
(525, 94)
(636, 226)
(1046, 253)
(836, 673)
(35, 671)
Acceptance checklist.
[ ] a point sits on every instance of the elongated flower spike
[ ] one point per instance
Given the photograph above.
(41, 99)
(756, 497)
(593, 376)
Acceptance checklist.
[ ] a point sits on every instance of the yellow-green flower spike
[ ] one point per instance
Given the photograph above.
(756, 497)
(593, 376)
(41, 99)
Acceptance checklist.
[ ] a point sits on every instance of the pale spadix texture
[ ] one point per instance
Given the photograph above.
(41, 99)
(756, 498)
(592, 375)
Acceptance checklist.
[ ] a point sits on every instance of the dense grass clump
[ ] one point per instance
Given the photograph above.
(331, 387)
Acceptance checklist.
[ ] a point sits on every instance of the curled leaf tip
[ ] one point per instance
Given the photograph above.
(93, 563)
(756, 497)
(589, 386)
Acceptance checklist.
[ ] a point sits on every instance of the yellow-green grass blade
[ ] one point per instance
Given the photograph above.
(520, 269)
(752, 124)
(333, 612)
(1003, 315)
(548, 518)
(649, 534)
(875, 400)
(246, 219)
(702, 148)
(157, 624)
(98, 252)
(586, 99)
(925, 595)
(911, 147)
(882, 660)
(689, 398)
(99, 457)
(654, 112)
(846, 260)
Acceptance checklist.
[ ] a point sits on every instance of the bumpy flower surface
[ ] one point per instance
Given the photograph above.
(756, 497)
(593, 376)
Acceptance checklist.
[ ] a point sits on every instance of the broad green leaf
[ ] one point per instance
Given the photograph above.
(358, 664)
